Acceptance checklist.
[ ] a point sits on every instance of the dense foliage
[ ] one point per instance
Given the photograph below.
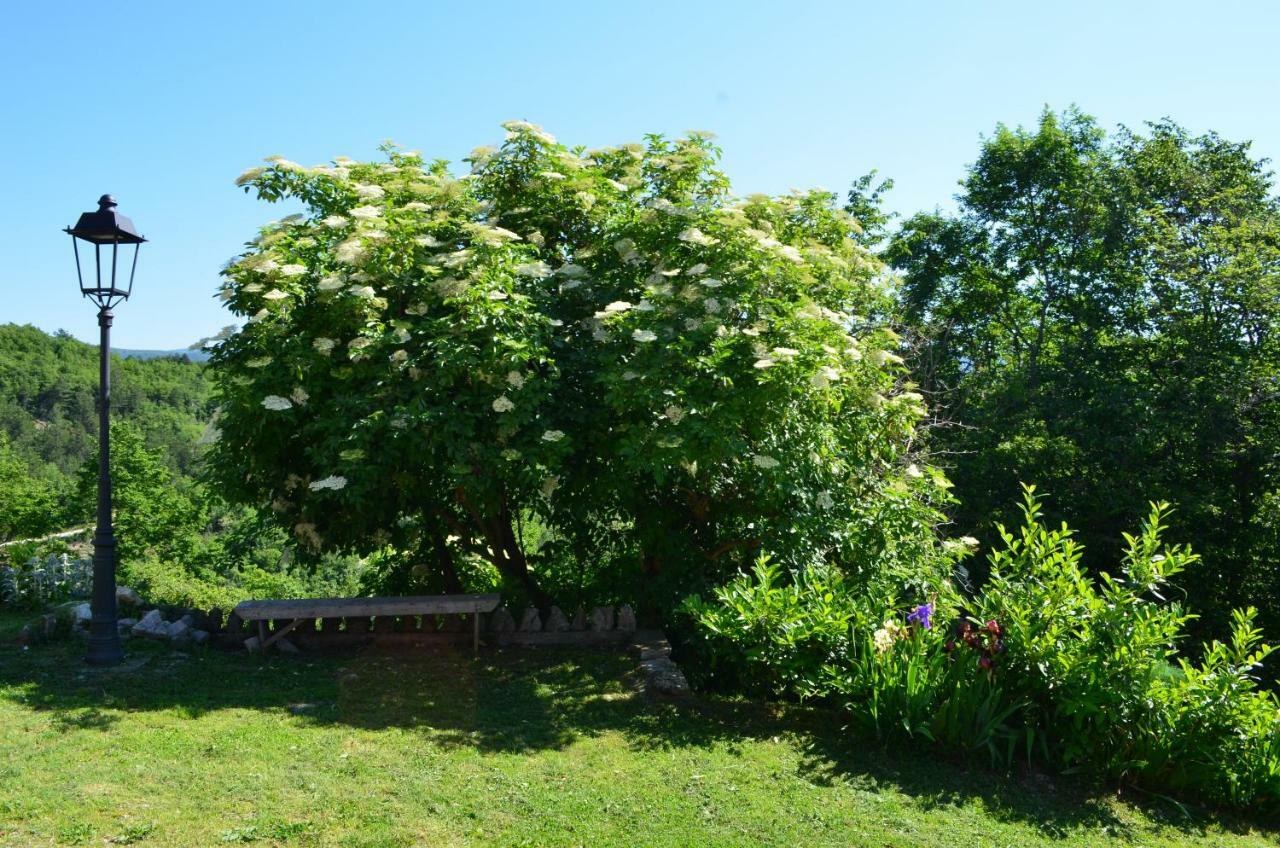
(605, 345)
(179, 543)
(1044, 663)
(1099, 318)
(49, 422)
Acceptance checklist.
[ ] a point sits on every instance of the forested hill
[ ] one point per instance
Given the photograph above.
(48, 386)
(197, 355)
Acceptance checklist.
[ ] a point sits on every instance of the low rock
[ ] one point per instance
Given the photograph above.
(284, 646)
(664, 676)
(530, 622)
(579, 620)
(125, 625)
(602, 619)
(301, 709)
(656, 649)
(81, 615)
(127, 597)
(626, 618)
(556, 622)
(179, 631)
(152, 625)
(500, 621)
(252, 644)
(200, 637)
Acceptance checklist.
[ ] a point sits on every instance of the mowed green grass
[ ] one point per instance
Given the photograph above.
(514, 748)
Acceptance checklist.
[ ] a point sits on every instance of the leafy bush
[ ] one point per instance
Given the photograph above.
(1084, 653)
(165, 582)
(1044, 662)
(1210, 730)
(169, 582)
(818, 634)
(772, 635)
(41, 582)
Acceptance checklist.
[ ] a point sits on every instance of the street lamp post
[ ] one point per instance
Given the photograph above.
(107, 231)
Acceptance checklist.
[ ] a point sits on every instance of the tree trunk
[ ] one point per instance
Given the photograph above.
(504, 550)
(444, 561)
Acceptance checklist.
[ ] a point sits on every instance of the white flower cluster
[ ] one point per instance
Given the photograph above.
(693, 235)
(517, 128)
(538, 270)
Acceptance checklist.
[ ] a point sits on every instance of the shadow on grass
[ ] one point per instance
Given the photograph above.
(529, 700)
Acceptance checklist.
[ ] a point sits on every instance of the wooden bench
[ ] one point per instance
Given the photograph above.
(296, 611)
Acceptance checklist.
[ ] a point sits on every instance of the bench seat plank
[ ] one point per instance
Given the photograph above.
(366, 607)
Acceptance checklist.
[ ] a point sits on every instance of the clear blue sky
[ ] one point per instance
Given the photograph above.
(163, 104)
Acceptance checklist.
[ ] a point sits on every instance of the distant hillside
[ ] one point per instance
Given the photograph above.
(197, 355)
(48, 386)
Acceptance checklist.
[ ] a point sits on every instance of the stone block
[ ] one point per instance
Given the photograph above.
(500, 621)
(530, 622)
(556, 622)
(601, 619)
(152, 625)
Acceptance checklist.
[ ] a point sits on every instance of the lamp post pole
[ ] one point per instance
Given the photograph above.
(105, 232)
(104, 635)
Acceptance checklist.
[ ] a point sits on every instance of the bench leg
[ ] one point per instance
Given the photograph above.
(281, 632)
(475, 633)
(262, 635)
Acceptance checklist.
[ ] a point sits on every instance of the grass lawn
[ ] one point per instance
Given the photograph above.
(523, 747)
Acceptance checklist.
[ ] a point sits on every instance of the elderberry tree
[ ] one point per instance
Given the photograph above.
(664, 377)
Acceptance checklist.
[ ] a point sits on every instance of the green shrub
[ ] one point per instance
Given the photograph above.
(771, 635)
(163, 582)
(1084, 653)
(817, 634)
(1045, 662)
(1211, 731)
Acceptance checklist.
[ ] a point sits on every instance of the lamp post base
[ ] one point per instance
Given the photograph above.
(104, 648)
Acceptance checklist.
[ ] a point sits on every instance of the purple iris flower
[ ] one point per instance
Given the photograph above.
(923, 616)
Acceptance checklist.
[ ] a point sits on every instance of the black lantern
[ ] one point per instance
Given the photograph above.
(108, 231)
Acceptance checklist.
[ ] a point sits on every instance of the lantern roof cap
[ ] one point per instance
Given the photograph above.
(106, 226)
